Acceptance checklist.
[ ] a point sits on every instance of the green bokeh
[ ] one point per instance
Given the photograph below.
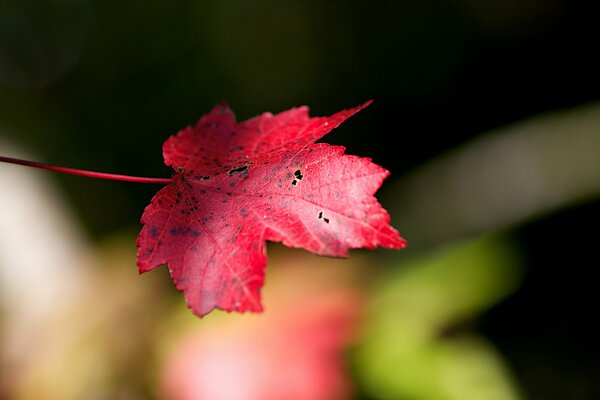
(421, 342)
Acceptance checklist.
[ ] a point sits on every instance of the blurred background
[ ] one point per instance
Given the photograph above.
(487, 115)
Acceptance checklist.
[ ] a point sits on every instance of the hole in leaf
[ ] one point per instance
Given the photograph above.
(240, 170)
(321, 217)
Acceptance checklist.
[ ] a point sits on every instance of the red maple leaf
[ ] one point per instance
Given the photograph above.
(238, 185)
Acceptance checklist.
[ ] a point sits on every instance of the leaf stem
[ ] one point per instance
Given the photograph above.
(88, 174)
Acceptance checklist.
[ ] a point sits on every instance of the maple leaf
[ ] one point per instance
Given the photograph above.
(236, 186)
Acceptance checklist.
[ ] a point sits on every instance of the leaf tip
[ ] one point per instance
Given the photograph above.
(222, 108)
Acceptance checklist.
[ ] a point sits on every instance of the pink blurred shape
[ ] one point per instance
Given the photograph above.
(293, 353)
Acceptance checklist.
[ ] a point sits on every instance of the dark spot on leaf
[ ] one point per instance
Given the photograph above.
(326, 220)
(153, 230)
(180, 169)
(298, 174)
(294, 182)
(196, 233)
(244, 212)
(228, 193)
(177, 230)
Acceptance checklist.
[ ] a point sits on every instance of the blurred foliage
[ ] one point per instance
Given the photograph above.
(419, 341)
